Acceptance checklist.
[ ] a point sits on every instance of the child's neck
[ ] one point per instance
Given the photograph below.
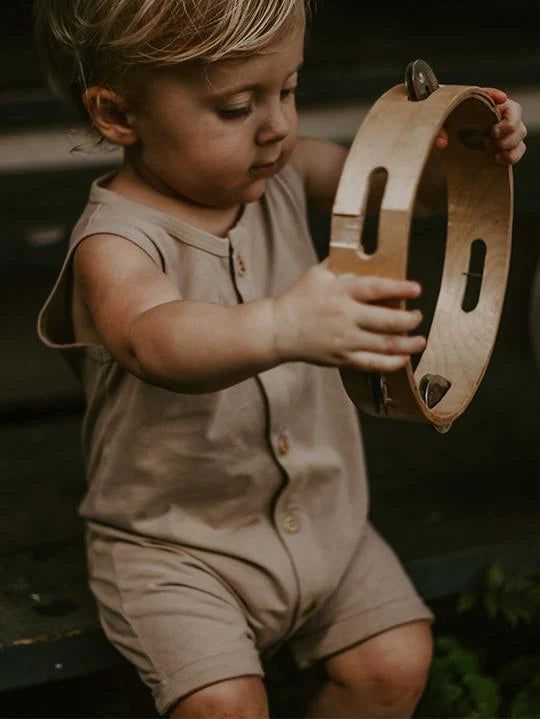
(215, 220)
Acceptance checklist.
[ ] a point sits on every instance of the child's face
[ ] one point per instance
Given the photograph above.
(216, 138)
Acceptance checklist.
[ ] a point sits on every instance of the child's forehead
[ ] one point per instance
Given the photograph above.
(274, 64)
(270, 66)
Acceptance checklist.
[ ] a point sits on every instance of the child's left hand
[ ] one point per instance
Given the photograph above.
(506, 136)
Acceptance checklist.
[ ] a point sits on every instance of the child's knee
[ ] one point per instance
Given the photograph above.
(401, 679)
(238, 698)
(389, 669)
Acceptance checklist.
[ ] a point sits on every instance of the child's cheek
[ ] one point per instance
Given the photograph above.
(290, 144)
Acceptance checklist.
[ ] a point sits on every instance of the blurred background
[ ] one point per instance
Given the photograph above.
(445, 502)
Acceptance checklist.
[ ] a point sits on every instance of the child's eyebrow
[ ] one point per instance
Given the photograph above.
(253, 86)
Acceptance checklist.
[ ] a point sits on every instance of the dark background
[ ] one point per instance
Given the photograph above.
(495, 43)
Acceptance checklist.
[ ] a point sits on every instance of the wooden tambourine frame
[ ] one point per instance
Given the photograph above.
(397, 136)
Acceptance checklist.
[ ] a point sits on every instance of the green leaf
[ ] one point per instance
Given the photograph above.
(466, 602)
(453, 658)
(491, 605)
(448, 693)
(485, 693)
(445, 644)
(495, 576)
(511, 616)
(526, 703)
(440, 696)
(518, 671)
(519, 600)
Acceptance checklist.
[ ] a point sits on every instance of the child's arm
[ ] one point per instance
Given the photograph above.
(320, 164)
(198, 347)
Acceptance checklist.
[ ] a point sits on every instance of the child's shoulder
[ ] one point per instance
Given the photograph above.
(108, 213)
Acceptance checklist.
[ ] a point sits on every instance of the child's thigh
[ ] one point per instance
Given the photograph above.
(374, 595)
(180, 625)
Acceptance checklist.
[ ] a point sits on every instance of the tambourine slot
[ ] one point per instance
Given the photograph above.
(474, 276)
(425, 261)
(377, 180)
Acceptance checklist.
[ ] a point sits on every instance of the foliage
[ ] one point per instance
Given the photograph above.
(460, 685)
(457, 686)
(520, 680)
(514, 597)
(526, 703)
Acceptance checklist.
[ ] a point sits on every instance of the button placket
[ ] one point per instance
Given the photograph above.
(239, 265)
(283, 444)
(291, 524)
(241, 268)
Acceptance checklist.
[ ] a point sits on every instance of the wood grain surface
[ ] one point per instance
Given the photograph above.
(397, 136)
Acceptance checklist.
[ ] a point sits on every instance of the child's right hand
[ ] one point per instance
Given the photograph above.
(338, 321)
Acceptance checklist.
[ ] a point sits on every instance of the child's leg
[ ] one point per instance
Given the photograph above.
(373, 636)
(238, 698)
(180, 625)
(383, 677)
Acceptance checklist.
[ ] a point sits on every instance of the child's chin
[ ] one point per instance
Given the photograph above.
(255, 191)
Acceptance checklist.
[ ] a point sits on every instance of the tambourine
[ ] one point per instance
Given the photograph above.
(395, 140)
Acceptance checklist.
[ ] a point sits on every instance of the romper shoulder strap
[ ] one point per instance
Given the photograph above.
(55, 325)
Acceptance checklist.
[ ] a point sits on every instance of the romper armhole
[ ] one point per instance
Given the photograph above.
(55, 323)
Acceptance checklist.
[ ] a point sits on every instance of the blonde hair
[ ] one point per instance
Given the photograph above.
(104, 42)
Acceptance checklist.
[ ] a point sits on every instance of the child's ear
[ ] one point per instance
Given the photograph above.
(108, 112)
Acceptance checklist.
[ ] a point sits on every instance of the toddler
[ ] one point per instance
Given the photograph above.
(226, 508)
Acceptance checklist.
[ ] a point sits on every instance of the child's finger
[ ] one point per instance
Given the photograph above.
(512, 114)
(508, 142)
(441, 141)
(511, 157)
(503, 128)
(373, 362)
(392, 344)
(388, 321)
(498, 96)
(375, 289)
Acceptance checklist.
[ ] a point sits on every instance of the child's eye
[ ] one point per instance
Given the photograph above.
(236, 113)
(288, 92)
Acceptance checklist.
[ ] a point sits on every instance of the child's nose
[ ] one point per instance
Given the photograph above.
(276, 126)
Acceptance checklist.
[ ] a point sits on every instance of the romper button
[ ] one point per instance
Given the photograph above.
(291, 524)
(283, 444)
(241, 266)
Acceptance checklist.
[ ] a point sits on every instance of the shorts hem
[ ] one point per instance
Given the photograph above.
(203, 672)
(355, 628)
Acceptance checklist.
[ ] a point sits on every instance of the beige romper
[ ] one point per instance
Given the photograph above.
(222, 525)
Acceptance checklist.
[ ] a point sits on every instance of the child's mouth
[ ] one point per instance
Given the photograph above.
(265, 170)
